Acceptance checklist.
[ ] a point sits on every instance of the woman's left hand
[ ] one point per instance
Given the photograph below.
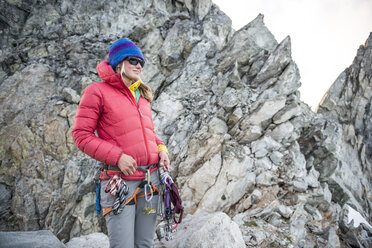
(164, 160)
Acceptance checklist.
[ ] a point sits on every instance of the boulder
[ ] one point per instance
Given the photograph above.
(206, 230)
(93, 240)
(40, 239)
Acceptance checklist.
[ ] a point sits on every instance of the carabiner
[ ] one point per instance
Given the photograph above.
(151, 194)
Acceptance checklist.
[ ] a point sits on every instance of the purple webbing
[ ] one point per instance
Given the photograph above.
(167, 199)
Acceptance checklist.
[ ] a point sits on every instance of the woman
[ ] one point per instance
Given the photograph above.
(119, 110)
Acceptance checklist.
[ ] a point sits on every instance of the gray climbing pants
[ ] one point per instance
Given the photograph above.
(131, 228)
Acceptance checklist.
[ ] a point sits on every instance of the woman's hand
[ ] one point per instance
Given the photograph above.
(164, 160)
(127, 165)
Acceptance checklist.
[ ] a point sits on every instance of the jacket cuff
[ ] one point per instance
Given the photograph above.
(163, 148)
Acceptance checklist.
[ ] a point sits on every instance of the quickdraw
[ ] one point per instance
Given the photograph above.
(116, 186)
(170, 196)
(147, 186)
(148, 209)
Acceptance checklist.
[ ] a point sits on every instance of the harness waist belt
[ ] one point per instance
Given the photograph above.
(109, 171)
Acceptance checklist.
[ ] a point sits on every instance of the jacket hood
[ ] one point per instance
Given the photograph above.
(108, 75)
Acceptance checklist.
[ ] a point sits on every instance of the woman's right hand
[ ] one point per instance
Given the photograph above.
(127, 165)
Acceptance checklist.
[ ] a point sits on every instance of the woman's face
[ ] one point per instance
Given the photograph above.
(131, 71)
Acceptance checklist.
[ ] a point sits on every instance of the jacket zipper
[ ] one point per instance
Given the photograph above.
(143, 130)
(141, 117)
(140, 111)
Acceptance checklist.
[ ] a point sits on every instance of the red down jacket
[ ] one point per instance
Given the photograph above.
(122, 124)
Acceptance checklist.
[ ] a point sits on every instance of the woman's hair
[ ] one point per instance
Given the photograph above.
(145, 90)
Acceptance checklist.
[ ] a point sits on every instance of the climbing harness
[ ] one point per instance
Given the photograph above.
(117, 187)
(170, 196)
(132, 200)
(171, 209)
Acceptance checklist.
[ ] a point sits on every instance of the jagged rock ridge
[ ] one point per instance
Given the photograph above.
(349, 102)
(226, 103)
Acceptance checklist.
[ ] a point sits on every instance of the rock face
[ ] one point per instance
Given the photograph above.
(349, 102)
(226, 104)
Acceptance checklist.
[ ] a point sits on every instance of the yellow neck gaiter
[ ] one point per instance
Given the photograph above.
(134, 89)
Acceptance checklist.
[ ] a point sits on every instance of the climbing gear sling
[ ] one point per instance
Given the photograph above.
(97, 182)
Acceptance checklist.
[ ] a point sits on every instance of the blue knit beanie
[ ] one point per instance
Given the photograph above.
(122, 49)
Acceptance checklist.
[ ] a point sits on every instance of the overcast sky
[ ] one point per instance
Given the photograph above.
(325, 34)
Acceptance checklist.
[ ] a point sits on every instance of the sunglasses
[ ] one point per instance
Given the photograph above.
(135, 61)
